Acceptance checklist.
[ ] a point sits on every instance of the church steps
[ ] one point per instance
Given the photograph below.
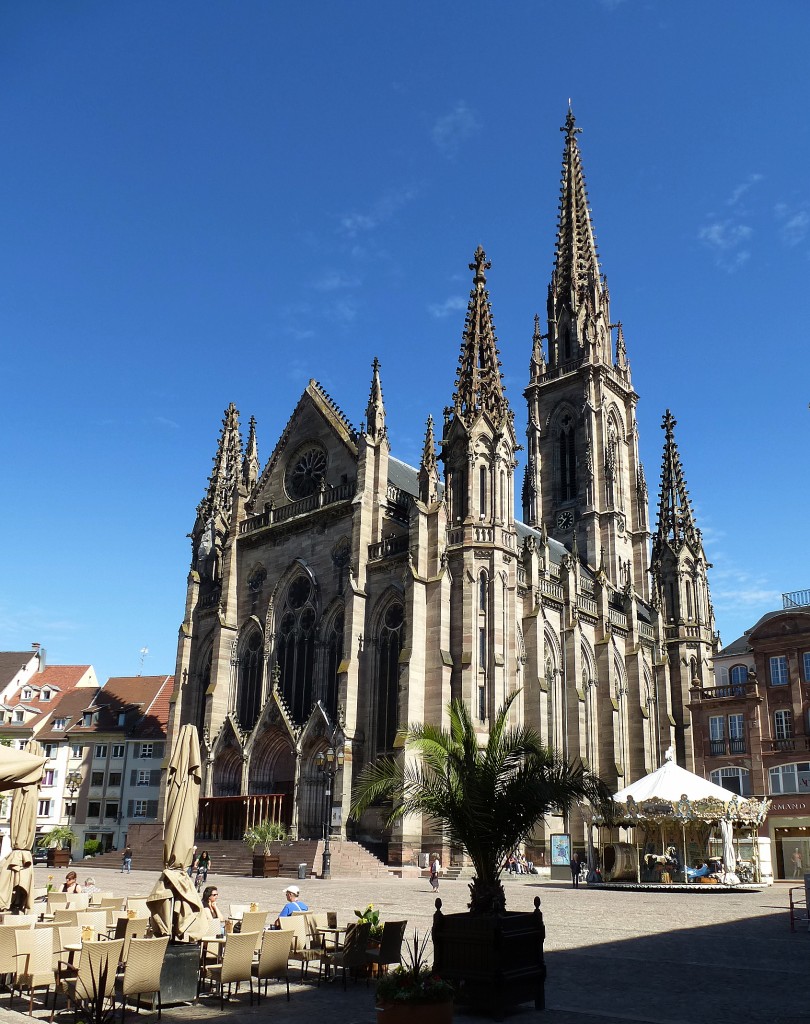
(233, 857)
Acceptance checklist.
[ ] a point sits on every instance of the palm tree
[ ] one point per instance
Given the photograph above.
(485, 799)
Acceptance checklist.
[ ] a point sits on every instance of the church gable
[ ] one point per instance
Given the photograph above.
(318, 450)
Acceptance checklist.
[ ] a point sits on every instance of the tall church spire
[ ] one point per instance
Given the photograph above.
(250, 464)
(676, 521)
(576, 261)
(478, 384)
(227, 466)
(375, 410)
(429, 468)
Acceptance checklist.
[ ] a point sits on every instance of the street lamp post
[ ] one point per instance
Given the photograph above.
(328, 764)
(73, 784)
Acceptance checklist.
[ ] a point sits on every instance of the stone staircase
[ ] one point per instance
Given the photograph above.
(232, 857)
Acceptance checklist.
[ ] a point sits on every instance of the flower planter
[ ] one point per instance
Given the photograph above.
(266, 865)
(407, 1013)
(493, 962)
(58, 858)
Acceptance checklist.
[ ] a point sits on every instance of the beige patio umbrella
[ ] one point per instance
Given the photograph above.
(19, 768)
(174, 902)
(17, 869)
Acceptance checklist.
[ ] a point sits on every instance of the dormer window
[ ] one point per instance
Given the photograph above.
(122, 718)
(46, 694)
(18, 716)
(27, 694)
(59, 724)
(87, 718)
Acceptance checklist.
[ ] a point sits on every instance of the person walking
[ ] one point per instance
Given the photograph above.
(126, 860)
(435, 868)
(797, 863)
(575, 870)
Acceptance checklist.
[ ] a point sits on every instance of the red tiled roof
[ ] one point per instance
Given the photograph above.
(133, 696)
(11, 662)
(57, 678)
(70, 706)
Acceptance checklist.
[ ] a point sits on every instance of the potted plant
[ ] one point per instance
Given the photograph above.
(372, 917)
(59, 840)
(485, 799)
(412, 989)
(265, 864)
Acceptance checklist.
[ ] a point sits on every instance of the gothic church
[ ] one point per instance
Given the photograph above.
(337, 594)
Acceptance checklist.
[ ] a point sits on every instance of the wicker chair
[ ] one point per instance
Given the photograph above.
(353, 954)
(254, 921)
(8, 951)
(390, 951)
(129, 928)
(142, 966)
(274, 957)
(95, 919)
(62, 917)
(93, 981)
(35, 966)
(236, 966)
(19, 920)
(301, 951)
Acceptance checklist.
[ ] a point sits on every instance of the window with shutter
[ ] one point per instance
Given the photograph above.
(160, 749)
(130, 808)
(133, 777)
(151, 808)
(155, 777)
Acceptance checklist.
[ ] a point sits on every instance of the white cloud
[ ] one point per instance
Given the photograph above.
(450, 130)
(334, 280)
(741, 189)
(451, 305)
(795, 223)
(387, 206)
(727, 241)
(164, 421)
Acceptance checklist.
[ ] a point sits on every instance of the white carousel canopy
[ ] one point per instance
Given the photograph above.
(670, 782)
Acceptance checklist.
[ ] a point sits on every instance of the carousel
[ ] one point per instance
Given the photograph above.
(683, 831)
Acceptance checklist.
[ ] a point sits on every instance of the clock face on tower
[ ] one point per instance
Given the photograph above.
(565, 520)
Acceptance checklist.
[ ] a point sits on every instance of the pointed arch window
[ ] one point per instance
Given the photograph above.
(390, 646)
(296, 647)
(334, 656)
(249, 692)
(205, 682)
(482, 491)
(567, 460)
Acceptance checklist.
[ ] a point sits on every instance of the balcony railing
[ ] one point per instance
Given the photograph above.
(738, 690)
(792, 743)
(328, 496)
(388, 548)
(717, 747)
(733, 746)
(796, 599)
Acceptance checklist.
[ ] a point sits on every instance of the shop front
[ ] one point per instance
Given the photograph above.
(788, 826)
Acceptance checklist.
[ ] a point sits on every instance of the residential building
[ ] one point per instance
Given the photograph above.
(752, 726)
(40, 704)
(336, 594)
(117, 743)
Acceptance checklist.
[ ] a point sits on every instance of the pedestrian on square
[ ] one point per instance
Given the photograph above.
(797, 863)
(126, 860)
(435, 868)
(575, 870)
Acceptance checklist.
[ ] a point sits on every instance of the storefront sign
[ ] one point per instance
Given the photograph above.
(789, 806)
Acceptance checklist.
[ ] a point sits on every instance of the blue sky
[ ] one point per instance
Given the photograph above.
(214, 202)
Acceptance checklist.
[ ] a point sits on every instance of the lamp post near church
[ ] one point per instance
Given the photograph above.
(328, 764)
(73, 783)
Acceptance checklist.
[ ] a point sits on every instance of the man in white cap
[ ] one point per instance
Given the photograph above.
(293, 903)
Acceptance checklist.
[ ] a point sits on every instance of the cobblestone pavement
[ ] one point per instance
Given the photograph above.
(612, 957)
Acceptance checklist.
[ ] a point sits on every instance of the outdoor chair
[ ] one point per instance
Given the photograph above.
(92, 983)
(236, 966)
(95, 919)
(35, 966)
(77, 901)
(66, 917)
(20, 920)
(138, 904)
(129, 928)
(274, 956)
(254, 921)
(301, 950)
(66, 935)
(353, 953)
(97, 898)
(143, 963)
(8, 952)
(57, 901)
(390, 951)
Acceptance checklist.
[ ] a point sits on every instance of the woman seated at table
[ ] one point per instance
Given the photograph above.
(211, 912)
(71, 883)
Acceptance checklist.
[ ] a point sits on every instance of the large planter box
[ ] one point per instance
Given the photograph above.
(58, 858)
(411, 1013)
(492, 962)
(266, 865)
(180, 976)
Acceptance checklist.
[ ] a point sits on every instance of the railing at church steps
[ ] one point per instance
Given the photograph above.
(271, 516)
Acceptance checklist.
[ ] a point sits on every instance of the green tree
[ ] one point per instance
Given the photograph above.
(486, 799)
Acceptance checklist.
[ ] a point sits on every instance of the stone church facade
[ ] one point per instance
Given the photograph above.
(337, 594)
